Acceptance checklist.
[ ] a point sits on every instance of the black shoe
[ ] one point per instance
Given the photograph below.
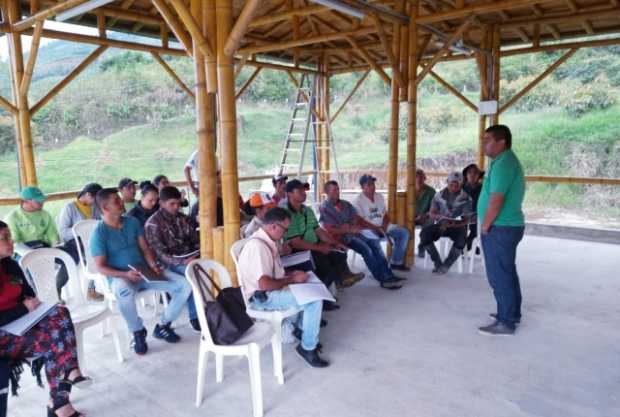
(165, 332)
(400, 268)
(195, 325)
(394, 278)
(496, 329)
(438, 269)
(391, 285)
(312, 357)
(138, 342)
(494, 316)
(330, 306)
(298, 333)
(323, 322)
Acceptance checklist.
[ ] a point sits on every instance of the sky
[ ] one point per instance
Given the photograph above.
(65, 27)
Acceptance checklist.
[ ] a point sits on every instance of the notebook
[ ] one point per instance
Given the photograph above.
(23, 324)
(147, 273)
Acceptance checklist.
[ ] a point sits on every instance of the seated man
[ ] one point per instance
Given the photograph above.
(32, 228)
(82, 208)
(451, 211)
(472, 185)
(261, 203)
(160, 181)
(371, 207)
(174, 239)
(118, 242)
(265, 284)
(279, 187)
(127, 188)
(424, 195)
(329, 255)
(341, 219)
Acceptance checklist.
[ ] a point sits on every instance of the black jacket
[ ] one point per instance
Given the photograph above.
(141, 213)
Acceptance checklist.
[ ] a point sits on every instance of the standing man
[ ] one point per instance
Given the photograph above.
(371, 207)
(191, 171)
(502, 226)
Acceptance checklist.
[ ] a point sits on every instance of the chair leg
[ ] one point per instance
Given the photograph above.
(116, 338)
(203, 358)
(219, 368)
(79, 339)
(276, 348)
(255, 379)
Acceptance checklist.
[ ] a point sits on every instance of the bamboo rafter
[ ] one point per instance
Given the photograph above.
(192, 26)
(241, 26)
(247, 82)
(353, 91)
(32, 58)
(175, 25)
(7, 105)
(373, 64)
(45, 14)
(172, 74)
(389, 51)
(453, 90)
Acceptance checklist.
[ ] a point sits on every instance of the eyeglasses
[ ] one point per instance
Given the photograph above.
(285, 229)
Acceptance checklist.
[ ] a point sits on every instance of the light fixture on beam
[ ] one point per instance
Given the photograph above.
(81, 9)
(340, 7)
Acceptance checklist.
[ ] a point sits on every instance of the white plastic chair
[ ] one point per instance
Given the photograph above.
(471, 255)
(274, 317)
(445, 244)
(40, 264)
(250, 344)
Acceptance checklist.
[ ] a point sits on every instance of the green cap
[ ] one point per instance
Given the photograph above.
(33, 193)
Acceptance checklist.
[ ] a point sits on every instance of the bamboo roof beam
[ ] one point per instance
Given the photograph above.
(446, 47)
(241, 26)
(117, 13)
(70, 77)
(126, 4)
(101, 24)
(193, 28)
(477, 8)
(175, 25)
(537, 80)
(565, 45)
(551, 28)
(45, 14)
(373, 64)
(450, 88)
(562, 18)
(247, 83)
(278, 46)
(163, 34)
(172, 74)
(351, 94)
(518, 30)
(7, 105)
(572, 5)
(240, 64)
(387, 47)
(32, 58)
(270, 18)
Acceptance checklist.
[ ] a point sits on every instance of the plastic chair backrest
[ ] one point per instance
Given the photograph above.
(235, 252)
(224, 282)
(41, 265)
(82, 231)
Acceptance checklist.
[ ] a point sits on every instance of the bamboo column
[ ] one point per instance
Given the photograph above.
(404, 53)
(318, 128)
(394, 120)
(412, 98)
(327, 139)
(483, 66)
(228, 129)
(205, 122)
(497, 41)
(211, 24)
(27, 171)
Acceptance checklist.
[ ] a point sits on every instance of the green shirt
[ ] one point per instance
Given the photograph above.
(505, 176)
(303, 225)
(423, 200)
(28, 226)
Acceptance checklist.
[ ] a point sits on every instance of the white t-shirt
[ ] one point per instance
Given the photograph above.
(372, 211)
(193, 164)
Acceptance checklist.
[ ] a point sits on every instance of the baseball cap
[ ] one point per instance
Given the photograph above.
(261, 199)
(92, 188)
(455, 177)
(125, 182)
(366, 178)
(420, 171)
(278, 178)
(32, 193)
(292, 185)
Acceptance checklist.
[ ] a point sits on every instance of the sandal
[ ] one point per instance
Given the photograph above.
(51, 412)
(79, 382)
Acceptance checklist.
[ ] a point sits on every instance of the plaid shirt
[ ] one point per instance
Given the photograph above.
(170, 235)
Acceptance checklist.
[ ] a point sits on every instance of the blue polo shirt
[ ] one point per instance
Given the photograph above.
(119, 246)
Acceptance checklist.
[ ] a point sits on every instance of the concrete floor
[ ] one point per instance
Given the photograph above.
(414, 352)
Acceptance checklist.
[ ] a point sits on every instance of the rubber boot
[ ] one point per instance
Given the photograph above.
(432, 251)
(452, 257)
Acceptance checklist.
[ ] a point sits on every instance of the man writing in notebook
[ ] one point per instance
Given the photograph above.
(118, 242)
(174, 239)
(265, 284)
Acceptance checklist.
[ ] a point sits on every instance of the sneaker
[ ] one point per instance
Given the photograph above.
(323, 322)
(496, 329)
(195, 325)
(93, 295)
(350, 280)
(311, 357)
(138, 343)
(330, 306)
(298, 334)
(165, 332)
(494, 317)
(438, 268)
(400, 268)
(391, 285)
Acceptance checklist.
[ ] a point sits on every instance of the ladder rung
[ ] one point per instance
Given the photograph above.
(299, 119)
(295, 134)
(293, 149)
(301, 103)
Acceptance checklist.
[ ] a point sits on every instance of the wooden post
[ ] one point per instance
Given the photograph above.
(404, 54)
(327, 139)
(483, 66)
(412, 98)
(228, 130)
(211, 25)
(497, 42)
(205, 131)
(394, 124)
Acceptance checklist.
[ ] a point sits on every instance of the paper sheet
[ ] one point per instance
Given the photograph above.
(311, 290)
(21, 326)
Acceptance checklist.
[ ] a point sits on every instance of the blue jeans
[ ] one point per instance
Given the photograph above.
(177, 286)
(373, 255)
(191, 305)
(500, 252)
(400, 236)
(309, 320)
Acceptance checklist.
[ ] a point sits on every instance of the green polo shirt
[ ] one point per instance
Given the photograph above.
(505, 176)
(303, 224)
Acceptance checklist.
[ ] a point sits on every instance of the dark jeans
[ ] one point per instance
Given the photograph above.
(500, 252)
(473, 232)
(331, 267)
(433, 233)
(373, 255)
